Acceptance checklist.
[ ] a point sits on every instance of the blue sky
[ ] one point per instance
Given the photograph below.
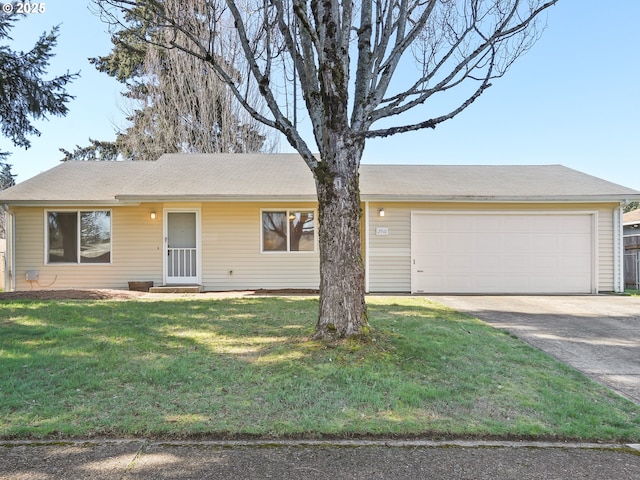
(573, 99)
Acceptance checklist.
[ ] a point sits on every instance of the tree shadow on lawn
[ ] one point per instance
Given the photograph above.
(247, 366)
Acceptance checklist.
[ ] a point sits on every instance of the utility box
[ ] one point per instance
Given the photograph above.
(32, 275)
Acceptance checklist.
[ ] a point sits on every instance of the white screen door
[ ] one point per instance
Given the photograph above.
(182, 248)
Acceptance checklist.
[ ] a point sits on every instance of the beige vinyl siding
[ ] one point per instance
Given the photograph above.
(605, 248)
(231, 254)
(232, 257)
(136, 251)
(390, 255)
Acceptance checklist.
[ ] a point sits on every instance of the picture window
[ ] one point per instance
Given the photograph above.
(79, 237)
(288, 231)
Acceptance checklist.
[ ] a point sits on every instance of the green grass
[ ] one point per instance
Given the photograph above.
(633, 293)
(246, 367)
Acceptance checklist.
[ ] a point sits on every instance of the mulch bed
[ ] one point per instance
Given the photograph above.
(103, 294)
(70, 295)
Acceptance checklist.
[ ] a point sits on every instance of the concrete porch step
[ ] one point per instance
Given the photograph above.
(176, 289)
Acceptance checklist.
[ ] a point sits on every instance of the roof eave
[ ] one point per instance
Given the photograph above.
(132, 200)
(67, 203)
(501, 199)
(216, 198)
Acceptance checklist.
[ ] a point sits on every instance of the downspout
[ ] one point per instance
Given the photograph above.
(9, 254)
(618, 250)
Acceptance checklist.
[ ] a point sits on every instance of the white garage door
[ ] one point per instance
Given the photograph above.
(502, 252)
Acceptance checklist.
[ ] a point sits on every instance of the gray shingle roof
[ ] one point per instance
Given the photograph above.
(223, 176)
(286, 177)
(485, 182)
(91, 182)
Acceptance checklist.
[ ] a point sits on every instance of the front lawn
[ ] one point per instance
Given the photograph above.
(246, 367)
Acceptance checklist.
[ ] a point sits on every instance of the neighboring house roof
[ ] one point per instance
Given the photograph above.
(631, 218)
(210, 177)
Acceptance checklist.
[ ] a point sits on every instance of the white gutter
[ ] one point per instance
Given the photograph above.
(70, 203)
(496, 199)
(618, 250)
(216, 198)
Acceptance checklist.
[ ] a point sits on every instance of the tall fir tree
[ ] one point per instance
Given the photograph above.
(7, 179)
(25, 94)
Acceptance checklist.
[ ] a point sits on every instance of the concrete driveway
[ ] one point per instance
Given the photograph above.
(596, 334)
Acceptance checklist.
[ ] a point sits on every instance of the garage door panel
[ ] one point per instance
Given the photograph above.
(543, 243)
(487, 262)
(516, 224)
(514, 242)
(456, 225)
(576, 224)
(490, 224)
(545, 263)
(502, 253)
(575, 243)
(429, 263)
(574, 264)
(434, 244)
(513, 264)
(487, 244)
(436, 225)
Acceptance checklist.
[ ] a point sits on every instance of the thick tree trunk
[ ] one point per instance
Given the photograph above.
(342, 304)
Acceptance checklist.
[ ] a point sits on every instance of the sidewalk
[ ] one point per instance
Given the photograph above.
(140, 459)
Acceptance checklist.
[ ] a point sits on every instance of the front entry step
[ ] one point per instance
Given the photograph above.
(176, 289)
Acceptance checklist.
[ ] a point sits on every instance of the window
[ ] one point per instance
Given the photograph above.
(288, 231)
(79, 237)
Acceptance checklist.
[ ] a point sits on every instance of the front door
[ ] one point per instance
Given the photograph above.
(181, 238)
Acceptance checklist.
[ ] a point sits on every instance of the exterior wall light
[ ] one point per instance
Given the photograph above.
(153, 215)
(381, 212)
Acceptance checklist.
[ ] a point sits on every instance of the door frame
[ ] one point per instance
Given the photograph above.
(165, 245)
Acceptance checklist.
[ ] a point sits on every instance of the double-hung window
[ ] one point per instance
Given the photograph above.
(288, 231)
(78, 236)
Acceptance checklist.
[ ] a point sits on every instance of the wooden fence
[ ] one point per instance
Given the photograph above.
(632, 262)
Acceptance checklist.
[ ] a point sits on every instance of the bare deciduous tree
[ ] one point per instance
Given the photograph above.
(186, 108)
(174, 102)
(360, 67)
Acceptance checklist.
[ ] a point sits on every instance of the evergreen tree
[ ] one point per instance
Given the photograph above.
(6, 180)
(631, 206)
(24, 94)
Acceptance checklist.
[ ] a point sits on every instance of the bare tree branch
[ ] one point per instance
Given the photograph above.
(404, 53)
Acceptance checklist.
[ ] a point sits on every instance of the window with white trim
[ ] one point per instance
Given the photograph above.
(288, 231)
(78, 236)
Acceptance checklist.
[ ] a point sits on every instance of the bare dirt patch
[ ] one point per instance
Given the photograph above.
(70, 295)
(105, 294)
